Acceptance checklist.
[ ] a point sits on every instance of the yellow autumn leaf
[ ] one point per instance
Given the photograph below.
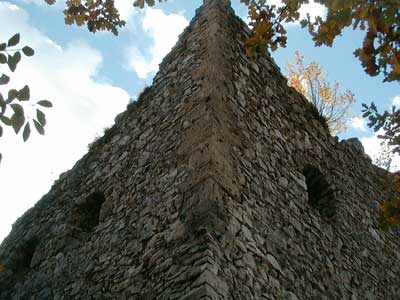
(139, 3)
(336, 4)
(69, 20)
(250, 51)
(372, 22)
(80, 20)
(263, 27)
(363, 11)
(396, 186)
(395, 65)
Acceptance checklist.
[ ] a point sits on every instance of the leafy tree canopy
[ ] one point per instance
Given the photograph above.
(387, 124)
(379, 19)
(311, 81)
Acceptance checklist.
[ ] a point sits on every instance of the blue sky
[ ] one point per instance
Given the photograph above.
(91, 77)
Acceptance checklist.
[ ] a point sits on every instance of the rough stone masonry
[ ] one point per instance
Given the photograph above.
(220, 182)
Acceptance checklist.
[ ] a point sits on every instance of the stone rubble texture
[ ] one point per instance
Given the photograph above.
(203, 195)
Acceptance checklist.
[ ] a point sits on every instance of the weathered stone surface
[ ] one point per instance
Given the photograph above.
(199, 191)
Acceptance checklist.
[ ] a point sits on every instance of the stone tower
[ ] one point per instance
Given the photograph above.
(219, 183)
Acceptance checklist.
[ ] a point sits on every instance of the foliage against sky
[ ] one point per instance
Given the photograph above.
(388, 124)
(380, 19)
(312, 82)
(13, 104)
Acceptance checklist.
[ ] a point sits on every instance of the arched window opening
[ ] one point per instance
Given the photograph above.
(89, 211)
(321, 196)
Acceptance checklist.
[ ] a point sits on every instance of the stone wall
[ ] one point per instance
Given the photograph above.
(220, 183)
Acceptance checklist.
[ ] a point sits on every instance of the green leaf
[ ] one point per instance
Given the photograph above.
(45, 103)
(366, 114)
(5, 120)
(24, 94)
(27, 132)
(3, 46)
(39, 127)
(14, 40)
(4, 79)
(41, 117)
(18, 109)
(11, 63)
(2, 104)
(3, 58)
(303, 23)
(17, 121)
(17, 57)
(28, 51)
(12, 94)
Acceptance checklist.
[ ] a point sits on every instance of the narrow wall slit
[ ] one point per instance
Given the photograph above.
(321, 195)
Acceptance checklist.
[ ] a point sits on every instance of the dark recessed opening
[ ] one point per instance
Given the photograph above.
(23, 257)
(89, 211)
(19, 263)
(321, 196)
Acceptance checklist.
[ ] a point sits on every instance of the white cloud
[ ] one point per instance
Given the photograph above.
(312, 8)
(164, 30)
(396, 100)
(373, 147)
(82, 108)
(125, 8)
(358, 123)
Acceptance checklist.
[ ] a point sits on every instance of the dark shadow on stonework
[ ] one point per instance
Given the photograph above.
(89, 211)
(321, 196)
(25, 253)
(21, 259)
